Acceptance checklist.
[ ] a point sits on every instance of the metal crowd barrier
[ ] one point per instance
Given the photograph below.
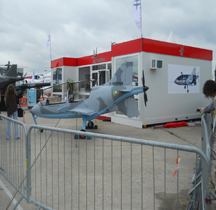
(106, 172)
(208, 135)
(13, 156)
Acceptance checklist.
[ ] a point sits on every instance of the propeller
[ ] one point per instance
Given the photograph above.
(145, 88)
(21, 75)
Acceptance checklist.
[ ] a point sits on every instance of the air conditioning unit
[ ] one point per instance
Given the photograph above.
(153, 64)
(156, 64)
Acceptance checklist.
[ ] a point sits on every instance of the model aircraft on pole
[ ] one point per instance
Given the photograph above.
(116, 95)
(187, 79)
(10, 77)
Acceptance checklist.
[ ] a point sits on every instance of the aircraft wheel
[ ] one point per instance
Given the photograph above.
(82, 136)
(90, 126)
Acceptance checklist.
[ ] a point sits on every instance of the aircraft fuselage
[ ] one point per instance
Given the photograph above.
(102, 99)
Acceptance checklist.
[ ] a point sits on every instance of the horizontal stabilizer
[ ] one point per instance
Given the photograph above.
(127, 106)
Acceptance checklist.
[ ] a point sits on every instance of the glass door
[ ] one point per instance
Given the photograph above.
(101, 77)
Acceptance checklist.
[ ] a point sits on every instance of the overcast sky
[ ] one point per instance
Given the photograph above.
(78, 27)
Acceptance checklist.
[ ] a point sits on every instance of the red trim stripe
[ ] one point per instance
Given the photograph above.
(136, 46)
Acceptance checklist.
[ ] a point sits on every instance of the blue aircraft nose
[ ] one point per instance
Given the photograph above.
(178, 82)
(36, 109)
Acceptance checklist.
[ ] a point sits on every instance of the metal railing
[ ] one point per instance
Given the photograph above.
(106, 172)
(13, 155)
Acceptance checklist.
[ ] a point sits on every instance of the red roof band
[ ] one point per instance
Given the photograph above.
(136, 46)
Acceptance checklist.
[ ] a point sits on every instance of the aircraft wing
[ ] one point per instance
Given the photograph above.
(82, 111)
(128, 89)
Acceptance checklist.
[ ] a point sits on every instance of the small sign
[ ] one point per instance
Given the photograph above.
(31, 97)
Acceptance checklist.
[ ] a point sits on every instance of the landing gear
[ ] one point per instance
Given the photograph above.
(34, 118)
(90, 125)
(82, 136)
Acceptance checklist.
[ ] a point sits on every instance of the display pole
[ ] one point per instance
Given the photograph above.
(50, 52)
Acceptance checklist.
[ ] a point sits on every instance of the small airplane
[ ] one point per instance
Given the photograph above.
(38, 78)
(22, 87)
(115, 95)
(187, 79)
(10, 77)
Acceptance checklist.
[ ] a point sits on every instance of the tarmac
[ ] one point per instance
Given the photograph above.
(188, 135)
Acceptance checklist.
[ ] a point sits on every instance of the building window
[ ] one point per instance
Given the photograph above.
(98, 67)
(57, 80)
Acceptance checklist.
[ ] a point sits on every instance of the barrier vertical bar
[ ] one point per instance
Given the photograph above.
(164, 178)
(52, 169)
(131, 177)
(102, 173)
(206, 168)
(153, 177)
(64, 175)
(28, 166)
(46, 166)
(71, 172)
(177, 183)
(86, 175)
(141, 177)
(112, 174)
(121, 175)
(94, 174)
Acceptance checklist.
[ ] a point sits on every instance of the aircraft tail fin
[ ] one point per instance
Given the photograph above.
(123, 75)
(12, 72)
(194, 71)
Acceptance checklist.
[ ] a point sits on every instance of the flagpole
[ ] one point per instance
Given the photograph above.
(50, 52)
(141, 18)
(137, 14)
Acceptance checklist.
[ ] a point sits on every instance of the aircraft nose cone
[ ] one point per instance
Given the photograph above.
(35, 109)
(176, 81)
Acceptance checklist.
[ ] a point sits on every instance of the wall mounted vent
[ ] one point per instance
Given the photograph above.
(156, 64)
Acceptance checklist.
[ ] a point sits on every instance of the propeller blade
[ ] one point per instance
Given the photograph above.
(145, 88)
(145, 98)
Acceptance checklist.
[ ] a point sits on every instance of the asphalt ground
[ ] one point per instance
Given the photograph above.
(188, 135)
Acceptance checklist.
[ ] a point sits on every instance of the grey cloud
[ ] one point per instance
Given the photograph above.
(78, 27)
